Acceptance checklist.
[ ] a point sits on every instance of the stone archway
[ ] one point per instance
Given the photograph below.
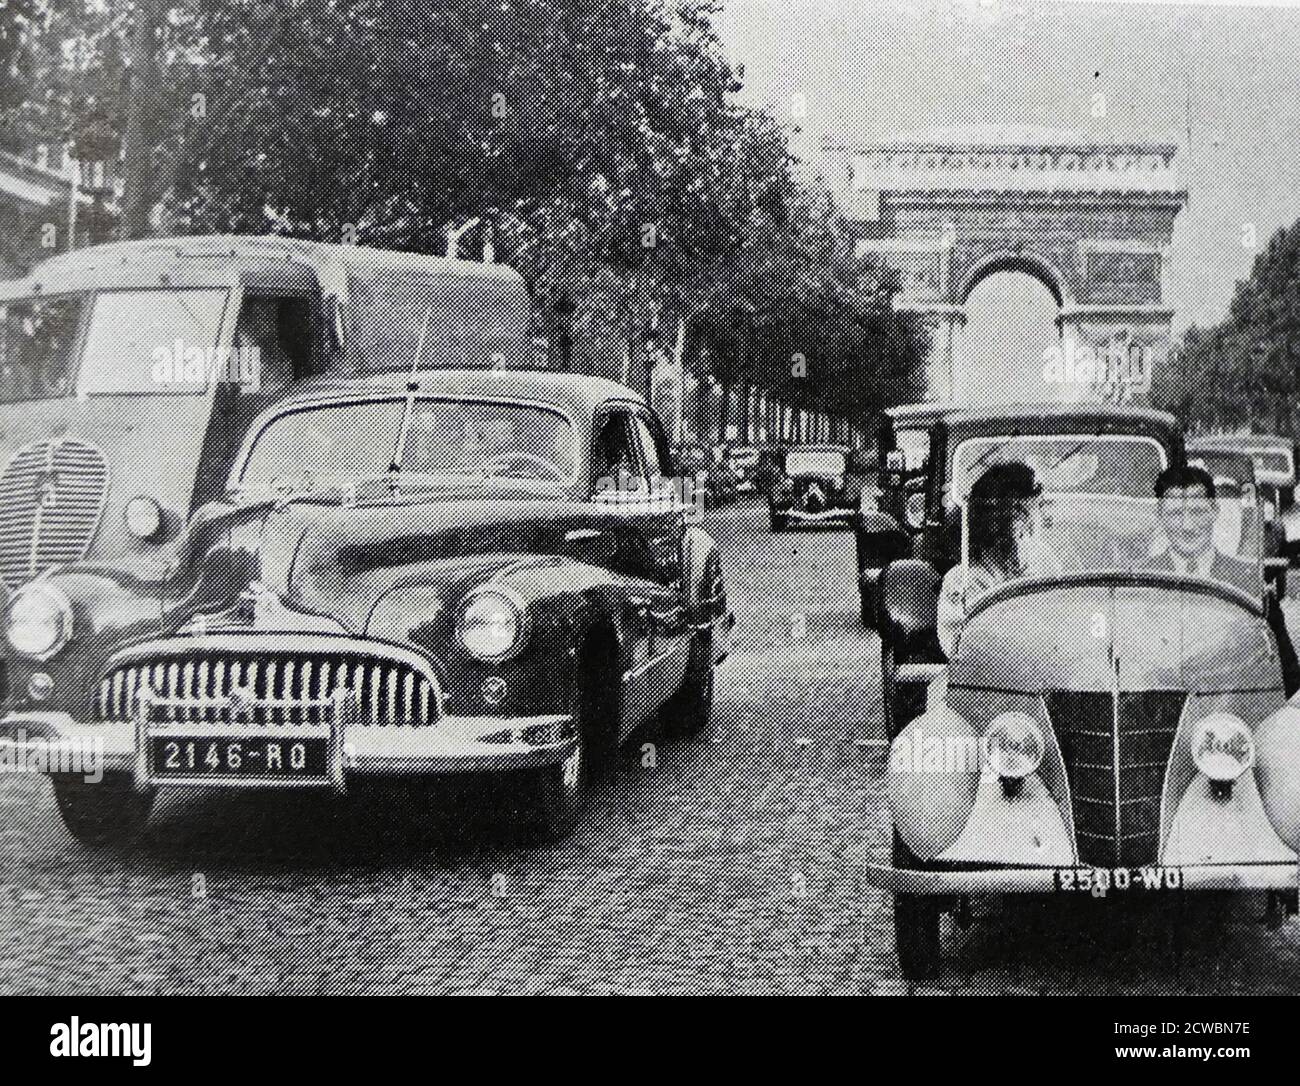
(1091, 219)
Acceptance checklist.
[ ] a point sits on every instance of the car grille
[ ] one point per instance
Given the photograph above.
(51, 498)
(1116, 762)
(389, 691)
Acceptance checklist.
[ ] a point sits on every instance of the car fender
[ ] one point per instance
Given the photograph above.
(1233, 829)
(1025, 827)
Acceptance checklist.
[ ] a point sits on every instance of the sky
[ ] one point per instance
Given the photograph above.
(1222, 79)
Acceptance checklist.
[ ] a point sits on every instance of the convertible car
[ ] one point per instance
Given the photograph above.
(1102, 724)
(441, 573)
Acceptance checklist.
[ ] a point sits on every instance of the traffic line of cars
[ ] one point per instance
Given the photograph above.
(365, 564)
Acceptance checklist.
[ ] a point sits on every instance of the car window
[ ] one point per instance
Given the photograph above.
(615, 460)
(1125, 464)
(649, 452)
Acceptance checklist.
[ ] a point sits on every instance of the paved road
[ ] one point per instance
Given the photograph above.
(728, 863)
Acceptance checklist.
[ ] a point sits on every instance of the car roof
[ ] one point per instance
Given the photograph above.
(577, 393)
(1243, 442)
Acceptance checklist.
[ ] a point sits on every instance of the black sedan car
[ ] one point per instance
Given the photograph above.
(814, 484)
(408, 576)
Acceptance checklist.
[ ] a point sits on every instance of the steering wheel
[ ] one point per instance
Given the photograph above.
(508, 459)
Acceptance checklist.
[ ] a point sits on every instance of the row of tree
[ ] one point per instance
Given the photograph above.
(1244, 373)
(601, 142)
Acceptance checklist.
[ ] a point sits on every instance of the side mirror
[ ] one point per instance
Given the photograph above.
(909, 600)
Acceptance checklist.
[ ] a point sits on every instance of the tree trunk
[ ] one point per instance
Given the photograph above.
(724, 412)
(137, 146)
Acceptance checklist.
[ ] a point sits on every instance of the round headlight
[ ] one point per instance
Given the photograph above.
(1223, 747)
(144, 517)
(38, 621)
(492, 623)
(1014, 745)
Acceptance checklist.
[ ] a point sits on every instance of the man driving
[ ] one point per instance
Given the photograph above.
(1188, 507)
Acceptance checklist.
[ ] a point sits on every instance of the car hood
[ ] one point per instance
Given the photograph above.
(1130, 633)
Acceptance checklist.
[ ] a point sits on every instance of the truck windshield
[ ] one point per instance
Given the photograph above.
(155, 341)
(159, 342)
(37, 339)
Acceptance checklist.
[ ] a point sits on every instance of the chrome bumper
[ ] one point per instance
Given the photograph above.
(823, 515)
(1042, 880)
(455, 744)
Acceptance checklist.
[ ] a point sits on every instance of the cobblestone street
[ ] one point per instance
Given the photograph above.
(730, 863)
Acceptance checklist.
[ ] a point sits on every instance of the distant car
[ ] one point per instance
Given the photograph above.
(1104, 724)
(1275, 472)
(814, 484)
(1234, 475)
(744, 465)
(408, 576)
(710, 475)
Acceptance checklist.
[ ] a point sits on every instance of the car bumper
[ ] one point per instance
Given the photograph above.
(819, 517)
(1044, 880)
(455, 744)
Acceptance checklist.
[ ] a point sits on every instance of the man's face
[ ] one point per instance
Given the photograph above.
(1188, 515)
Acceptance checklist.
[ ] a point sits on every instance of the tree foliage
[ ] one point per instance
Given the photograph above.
(602, 139)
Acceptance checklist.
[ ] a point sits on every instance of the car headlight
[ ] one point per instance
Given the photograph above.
(144, 517)
(492, 625)
(1223, 747)
(1014, 745)
(38, 621)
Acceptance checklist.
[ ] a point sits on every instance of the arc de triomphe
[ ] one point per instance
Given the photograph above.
(1091, 219)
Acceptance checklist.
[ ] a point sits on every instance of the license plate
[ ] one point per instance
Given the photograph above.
(1100, 881)
(244, 758)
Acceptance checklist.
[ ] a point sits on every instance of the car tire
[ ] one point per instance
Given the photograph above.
(559, 792)
(916, 927)
(688, 711)
(111, 812)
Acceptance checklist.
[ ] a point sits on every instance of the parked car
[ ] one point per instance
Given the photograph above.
(710, 473)
(1234, 477)
(1108, 726)
(910, 512)
(814, 484)
(1275, 472)
(744, 465)
(449, 572)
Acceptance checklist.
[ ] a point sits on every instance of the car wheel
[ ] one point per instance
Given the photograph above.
(111, 812)
(560, 791)
(688, 711)
(916, 927)
(888, 688)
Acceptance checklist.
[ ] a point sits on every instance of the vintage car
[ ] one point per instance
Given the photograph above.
(121, 359)
(744, 465)
(446, 572)
(1233, 471)
(1109, 722)
(1275, 472)
(712, 478)
(814, 484)
(910, 513)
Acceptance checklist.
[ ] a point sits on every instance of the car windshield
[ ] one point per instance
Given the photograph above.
(1125, 464)
(1070, 532)
(463, 440)
(814, 462)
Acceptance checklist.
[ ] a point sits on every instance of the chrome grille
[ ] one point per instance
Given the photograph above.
(1115, 758)
(389, 691)
(51, 498)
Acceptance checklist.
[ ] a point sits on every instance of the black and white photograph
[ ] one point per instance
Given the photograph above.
(673, 498)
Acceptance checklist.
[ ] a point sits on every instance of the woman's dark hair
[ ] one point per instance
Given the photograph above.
(998, 499)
